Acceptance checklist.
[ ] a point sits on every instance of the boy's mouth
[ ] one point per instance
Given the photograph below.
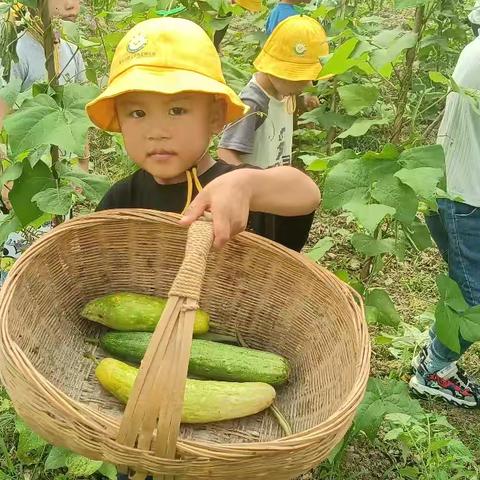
(160, 155)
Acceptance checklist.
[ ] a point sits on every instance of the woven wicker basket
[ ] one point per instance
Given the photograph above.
(277, 299)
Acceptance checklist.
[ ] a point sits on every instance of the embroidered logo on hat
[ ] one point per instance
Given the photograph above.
(300, 49)
(137, 43)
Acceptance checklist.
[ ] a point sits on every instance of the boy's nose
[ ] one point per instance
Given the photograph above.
(158, 132)
(72, 5)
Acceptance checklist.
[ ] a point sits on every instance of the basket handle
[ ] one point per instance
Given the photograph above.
(151, 420)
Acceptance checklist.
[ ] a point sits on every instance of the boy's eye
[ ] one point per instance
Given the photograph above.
(138, 114)
(174, 111)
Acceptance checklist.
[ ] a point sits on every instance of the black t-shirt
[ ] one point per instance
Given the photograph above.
(140, 190)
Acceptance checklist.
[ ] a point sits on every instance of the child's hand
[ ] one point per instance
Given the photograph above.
(228, 199)
(311, 102)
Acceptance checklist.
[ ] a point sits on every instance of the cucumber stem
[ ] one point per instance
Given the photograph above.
(282, 421)
(89, 356)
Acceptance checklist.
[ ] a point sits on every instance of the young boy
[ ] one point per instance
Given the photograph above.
(168, 100)
(287, 64)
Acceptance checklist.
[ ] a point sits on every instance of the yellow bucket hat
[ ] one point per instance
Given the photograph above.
(168, 56)
(293, 50)
(250, 5)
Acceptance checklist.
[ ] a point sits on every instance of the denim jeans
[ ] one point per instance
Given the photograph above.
(456, 231)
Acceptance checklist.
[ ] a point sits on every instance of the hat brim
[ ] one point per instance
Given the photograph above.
(294, 71)
(102, 111)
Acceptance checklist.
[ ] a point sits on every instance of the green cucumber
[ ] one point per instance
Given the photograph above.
(212, 360)
(127, 312)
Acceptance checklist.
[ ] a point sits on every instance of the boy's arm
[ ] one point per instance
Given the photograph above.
(230, 156)
(231, 197)
(239, 138)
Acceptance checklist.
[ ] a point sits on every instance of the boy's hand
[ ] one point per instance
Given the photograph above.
(228, 199)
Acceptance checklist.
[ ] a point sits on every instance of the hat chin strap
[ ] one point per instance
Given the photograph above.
(192, 179)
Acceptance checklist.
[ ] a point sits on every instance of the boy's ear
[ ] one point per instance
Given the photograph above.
(218, 115)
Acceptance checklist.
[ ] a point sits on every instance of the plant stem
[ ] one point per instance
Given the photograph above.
(406, 83)
(332, 133)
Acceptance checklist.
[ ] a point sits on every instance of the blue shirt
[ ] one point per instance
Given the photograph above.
(279, 14)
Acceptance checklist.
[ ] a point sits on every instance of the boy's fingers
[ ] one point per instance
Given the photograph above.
(221, 231)
(194, 211)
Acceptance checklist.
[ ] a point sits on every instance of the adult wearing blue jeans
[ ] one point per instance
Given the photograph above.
(456, 231)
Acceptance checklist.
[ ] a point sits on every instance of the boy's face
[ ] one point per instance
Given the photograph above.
(168, 134)
(65, 9)
(289, 87)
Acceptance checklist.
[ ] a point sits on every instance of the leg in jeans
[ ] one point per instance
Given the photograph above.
(438, 232)
(462, 224)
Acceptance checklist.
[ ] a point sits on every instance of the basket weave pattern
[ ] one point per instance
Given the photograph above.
(277, 299)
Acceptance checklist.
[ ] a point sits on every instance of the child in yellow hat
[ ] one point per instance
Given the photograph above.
(287, 64)
(29, 68)
(168, 97)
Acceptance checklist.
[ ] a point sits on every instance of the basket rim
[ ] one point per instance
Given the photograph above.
(80, 411)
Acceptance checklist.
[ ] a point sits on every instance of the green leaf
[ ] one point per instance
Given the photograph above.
(437, 77)
(13, 172)
(361, 126)
(71, 32)
(430, 156)
(94, 187)
(423, 181)
(319, 250)
(32, 181)
(389, 152)
(10, 91)
(109, 471)
(8, 224)
(392, 43)
(28, 443)
(355, 98)
(401, 4)
(41, 121)
(345, 182)
(409, 472)
(79, 466)
(56, 201)
(470, 324)
(369, 216)
(56, 458)
(383, 397)
(370, 246)
(387, 314)
(453, 315)
(327, 119)
(317, 165)
(418, 234)
(341, 60)
(339, 157)
(447, 326)
(451, 294)
(392, 192)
